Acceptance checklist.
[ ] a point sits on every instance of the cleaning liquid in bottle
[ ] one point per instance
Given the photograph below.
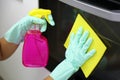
(35, 48)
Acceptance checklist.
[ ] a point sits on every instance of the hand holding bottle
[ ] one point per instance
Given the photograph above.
(18, 30)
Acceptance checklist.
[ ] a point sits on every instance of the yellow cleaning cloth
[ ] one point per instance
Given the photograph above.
(97, 44)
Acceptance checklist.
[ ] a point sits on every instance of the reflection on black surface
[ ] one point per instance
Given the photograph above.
(64, 16)
(107, 4)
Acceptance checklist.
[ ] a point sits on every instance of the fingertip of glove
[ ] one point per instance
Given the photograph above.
(52, 23)
(93, 51)
(90, 39)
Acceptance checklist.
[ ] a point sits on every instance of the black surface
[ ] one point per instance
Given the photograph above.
(64, 16)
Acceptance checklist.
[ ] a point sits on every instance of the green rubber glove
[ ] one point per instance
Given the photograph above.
(76, 55)
(51, 22)
(17, 31)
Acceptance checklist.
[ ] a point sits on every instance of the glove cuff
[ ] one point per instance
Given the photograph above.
(63, 71)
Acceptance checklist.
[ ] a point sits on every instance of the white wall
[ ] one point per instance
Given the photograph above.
(13, 10)
(12, 69)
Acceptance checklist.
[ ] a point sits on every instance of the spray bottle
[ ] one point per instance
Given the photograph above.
(35, 48)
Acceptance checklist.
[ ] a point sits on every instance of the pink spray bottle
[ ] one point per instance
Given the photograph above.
(35, 48)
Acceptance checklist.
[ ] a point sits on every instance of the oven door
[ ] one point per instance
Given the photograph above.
(105, 22)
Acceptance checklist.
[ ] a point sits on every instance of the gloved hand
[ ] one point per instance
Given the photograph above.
(76, 55)
(17, 32)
